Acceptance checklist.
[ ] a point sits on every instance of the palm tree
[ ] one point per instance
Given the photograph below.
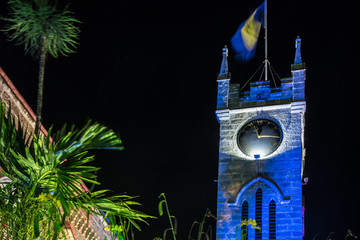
(47, 178)
(42, 29)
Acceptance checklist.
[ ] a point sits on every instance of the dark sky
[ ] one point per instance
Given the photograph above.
(148, 70)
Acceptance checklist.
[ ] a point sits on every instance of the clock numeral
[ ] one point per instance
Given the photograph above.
(267, 150)
(243, 145)
(274, 143)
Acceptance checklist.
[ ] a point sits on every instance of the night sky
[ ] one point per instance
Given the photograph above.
(148, 70)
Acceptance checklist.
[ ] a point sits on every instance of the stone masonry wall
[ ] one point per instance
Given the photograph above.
(279, 175)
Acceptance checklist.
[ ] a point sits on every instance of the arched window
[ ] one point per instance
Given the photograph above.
(258, 213)
(245, 216)
(272, 220)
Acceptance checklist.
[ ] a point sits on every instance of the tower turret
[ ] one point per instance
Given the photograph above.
(223, 80)
(224, 70)
(298, 73)
(297, 59)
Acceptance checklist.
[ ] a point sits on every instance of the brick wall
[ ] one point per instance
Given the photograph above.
(10, 96)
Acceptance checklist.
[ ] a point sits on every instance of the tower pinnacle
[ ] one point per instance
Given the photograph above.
(297, 59)
(298, 64)
(224, 71)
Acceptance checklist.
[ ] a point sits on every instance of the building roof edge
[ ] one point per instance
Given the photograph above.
(21, 99)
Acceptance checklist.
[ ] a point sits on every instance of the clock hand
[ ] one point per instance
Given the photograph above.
(257, 131)
(268, 136)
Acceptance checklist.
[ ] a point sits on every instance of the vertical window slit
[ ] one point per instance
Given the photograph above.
(272, 220)
(258, 213)
(245, 216)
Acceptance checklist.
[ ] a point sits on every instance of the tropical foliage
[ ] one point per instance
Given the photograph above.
(241, 230)
(42, 28)
(36, 23)
(46, 180)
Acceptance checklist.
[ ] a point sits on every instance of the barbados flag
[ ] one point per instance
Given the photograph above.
(246, 37)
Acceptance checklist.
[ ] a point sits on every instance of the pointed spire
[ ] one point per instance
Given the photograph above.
(298, 64)
(297, 59)
(224, 71)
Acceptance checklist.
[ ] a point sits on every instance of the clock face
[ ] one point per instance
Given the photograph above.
(259, 138)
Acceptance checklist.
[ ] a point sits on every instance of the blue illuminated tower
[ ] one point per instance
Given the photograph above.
(261, 155)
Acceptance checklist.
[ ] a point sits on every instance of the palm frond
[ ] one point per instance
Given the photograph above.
(91, 137)
(48, 178)
(12, 137)
(31, 21)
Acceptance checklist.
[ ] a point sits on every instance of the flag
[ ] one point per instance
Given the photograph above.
(246, 37)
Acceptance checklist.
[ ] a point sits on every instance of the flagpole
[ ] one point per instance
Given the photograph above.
(266, 41)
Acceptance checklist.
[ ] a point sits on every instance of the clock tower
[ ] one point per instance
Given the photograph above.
(261, 155)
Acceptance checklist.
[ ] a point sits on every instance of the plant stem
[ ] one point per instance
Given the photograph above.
(39, 103)
(169, 216)
(202, 226)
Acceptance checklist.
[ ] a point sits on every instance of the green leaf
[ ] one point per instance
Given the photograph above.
(37, 226)
(57, 227)
(161, 212)
(64, 205)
